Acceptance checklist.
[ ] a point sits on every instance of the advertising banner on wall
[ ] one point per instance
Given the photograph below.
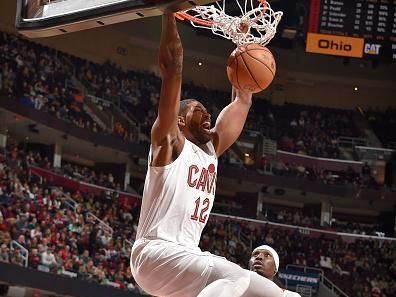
(293, 278)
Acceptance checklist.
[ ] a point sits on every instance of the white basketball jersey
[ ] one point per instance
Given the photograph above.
(178, 197)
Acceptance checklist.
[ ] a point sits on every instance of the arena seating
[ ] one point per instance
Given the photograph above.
(64, 240)
(302, 129)
(59, 227)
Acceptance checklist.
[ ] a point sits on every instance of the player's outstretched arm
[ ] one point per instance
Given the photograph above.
(231, 120)
(165, 131)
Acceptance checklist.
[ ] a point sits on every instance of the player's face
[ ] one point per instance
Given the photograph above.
(198, 122)
(263, 263)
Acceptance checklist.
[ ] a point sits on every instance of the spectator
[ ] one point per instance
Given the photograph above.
(16, 257)
(48, 258)
(4, 254)
(34, 258)
(3, 226)
(35, 232)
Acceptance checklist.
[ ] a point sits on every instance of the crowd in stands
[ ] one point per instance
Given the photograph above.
(339, 222)
(301, 129)
(359, 267)
(63, 239)
(348, 262)
(310, 218)
(223, 204)
(85, 174)
(290, 217)
(293, 217)
(137, 93)
(349, 176)
(313, 131)
(60, 238)
(36, 77)
(70, 170)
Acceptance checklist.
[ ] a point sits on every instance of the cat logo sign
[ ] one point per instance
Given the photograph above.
(335, 45)
(372, 49)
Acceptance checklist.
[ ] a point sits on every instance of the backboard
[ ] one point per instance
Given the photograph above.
(45, 18)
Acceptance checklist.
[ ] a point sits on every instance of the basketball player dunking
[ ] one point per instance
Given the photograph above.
(179, 192)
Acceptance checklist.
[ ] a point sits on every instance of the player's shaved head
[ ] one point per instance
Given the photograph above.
(184, 104)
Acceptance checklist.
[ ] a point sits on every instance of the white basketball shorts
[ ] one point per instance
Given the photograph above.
(167, 269)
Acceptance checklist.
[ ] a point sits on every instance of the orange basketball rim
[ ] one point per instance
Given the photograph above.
(255, 23)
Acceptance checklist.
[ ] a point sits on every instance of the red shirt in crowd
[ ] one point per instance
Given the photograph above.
(64, 254)
(3, 226)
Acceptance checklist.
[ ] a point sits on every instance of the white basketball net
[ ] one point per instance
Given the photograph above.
(256, 24)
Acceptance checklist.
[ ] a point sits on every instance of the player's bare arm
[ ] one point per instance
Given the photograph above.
(166, 139)
(231, 120)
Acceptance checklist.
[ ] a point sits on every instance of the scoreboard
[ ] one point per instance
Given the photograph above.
(353, 28)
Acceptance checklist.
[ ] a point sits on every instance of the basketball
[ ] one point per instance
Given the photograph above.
(251, 67)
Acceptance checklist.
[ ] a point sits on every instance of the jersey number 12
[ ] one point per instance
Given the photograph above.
(202, 214)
